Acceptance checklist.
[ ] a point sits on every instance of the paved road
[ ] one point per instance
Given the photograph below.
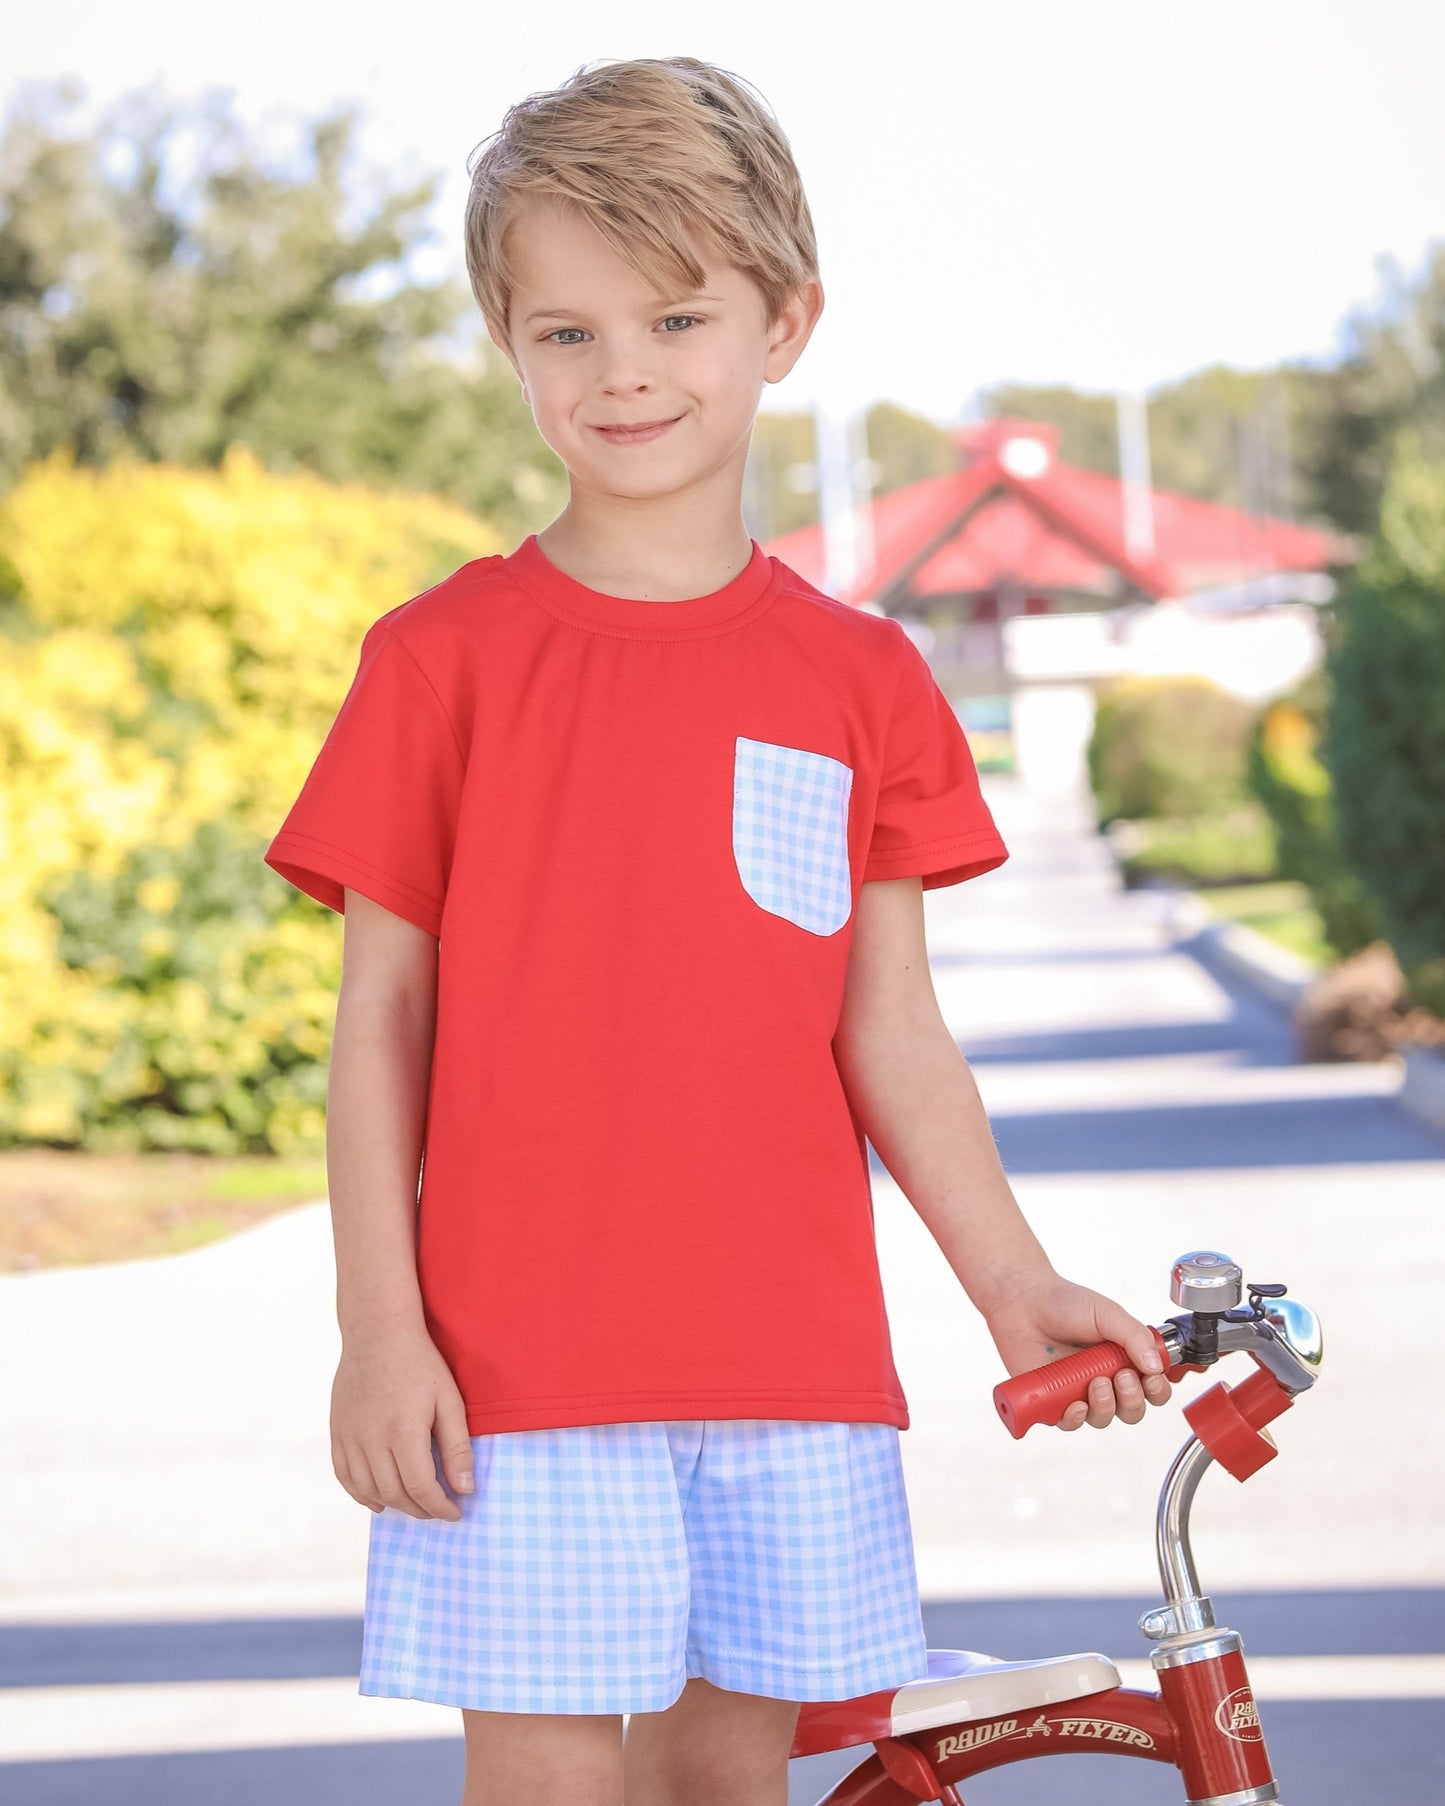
(279, 1731)
(180, 1576)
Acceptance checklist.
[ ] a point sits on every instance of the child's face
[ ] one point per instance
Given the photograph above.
(609, 352)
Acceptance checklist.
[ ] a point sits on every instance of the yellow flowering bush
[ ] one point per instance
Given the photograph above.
(173, 646)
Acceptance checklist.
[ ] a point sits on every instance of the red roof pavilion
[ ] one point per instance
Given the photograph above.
(1012, 518)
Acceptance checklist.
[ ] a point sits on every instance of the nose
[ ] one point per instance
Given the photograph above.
(626, 368)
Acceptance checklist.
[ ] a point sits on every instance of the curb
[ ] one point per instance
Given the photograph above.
(1272, 972)
(1422, 1092)
(1233, 951)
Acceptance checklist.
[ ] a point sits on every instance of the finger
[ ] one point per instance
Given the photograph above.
(417, 1465)
(1136, 1339)
(454, 1445)
(1074, 1416)
(1157, 1389)
(1129, 1405)
(392, 1488)
(354, 1472)
(1101, 1403)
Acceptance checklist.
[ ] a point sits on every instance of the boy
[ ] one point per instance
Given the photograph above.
(630, 829)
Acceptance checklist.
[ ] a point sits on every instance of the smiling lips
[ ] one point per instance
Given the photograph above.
(636, 435)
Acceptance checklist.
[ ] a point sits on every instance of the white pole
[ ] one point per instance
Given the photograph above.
(1136, 480)
(835, 498)
(860, 468)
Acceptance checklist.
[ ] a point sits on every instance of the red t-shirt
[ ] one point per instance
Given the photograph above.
(638, 830)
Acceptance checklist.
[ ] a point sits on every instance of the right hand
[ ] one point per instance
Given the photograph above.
(1051, 1318)
(392, 1392)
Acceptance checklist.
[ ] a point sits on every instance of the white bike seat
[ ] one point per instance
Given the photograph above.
(961, 1685)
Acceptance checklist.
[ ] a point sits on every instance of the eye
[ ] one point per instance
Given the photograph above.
(688, 321)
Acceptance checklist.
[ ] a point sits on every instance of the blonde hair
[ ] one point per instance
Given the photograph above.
(647, 149)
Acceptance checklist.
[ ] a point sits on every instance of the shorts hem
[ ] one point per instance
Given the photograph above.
(659, 1691)
(814, 1684)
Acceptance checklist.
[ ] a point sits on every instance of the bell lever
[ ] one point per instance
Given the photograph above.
(1258, 1294)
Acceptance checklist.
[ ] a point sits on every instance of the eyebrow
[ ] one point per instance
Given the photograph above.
(566, 313)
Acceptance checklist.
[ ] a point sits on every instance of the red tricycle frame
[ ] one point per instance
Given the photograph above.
(972, 1713)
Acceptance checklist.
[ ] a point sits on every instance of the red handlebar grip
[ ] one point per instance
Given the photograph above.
(1045, 1393)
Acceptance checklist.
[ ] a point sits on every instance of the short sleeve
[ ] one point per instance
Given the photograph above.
(931, 820)
(378, 810)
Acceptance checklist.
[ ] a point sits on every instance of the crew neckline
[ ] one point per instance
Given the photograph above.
(630, 617)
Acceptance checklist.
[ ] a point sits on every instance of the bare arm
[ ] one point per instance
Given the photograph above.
(393, 1390)
(376, 1113)
(919, 1105)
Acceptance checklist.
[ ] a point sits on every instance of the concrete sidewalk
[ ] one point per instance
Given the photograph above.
(1141, 1110)
(167, 1420)
(181, 1577)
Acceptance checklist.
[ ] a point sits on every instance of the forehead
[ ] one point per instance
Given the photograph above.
(554, 249)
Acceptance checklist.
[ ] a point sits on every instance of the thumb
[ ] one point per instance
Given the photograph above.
(1136, 1338)
(453, 1443)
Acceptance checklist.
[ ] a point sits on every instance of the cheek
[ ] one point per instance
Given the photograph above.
(735, 372)
(553, 398)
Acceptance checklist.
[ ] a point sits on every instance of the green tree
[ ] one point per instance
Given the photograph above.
(907, 447)
(167, 289)
(1308, 440)
(1391, 377)
(782, 491)
(1243, 438)
(1088, 435)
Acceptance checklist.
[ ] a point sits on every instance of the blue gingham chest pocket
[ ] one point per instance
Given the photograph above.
(790, 832)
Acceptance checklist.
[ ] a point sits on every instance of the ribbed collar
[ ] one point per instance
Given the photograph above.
(627, 617)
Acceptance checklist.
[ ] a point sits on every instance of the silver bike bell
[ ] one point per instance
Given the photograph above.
(1207, 1282)
(1296, 1324)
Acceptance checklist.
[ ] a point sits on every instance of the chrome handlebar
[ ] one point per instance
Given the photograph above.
(1284, 1336)
(1281, 1333)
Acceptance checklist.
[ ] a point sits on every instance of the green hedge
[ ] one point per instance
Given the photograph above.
(1168, 748)
(214, 1046)
(1287, 776)
(1235, 848)
(1385, 740)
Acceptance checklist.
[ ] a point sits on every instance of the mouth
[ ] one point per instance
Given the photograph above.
(639, 434)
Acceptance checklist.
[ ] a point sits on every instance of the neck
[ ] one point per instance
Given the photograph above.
(653, 549)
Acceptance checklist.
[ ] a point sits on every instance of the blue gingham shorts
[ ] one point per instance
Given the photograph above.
(598, 1567)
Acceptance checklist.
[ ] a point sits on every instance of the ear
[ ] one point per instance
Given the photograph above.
(792, 330)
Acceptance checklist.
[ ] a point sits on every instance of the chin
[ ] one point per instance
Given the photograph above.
(643, 489)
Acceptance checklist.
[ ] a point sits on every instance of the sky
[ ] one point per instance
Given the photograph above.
(1108, 195)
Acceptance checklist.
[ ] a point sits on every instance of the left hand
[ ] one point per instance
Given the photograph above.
(1052, 1318)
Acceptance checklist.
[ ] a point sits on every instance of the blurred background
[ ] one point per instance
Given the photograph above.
(1128, 400)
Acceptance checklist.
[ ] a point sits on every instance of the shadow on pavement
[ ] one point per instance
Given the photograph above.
(1329, 1753)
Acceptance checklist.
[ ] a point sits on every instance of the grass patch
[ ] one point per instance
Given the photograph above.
(60, 1208)
(1280, 910)
(1237, 848)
